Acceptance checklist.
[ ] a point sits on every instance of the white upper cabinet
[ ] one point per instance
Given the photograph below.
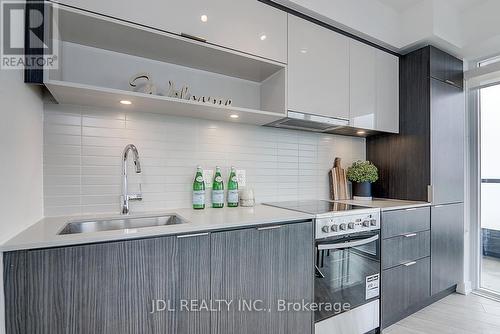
(374, 88)
(318, 69)
(244, 25)
(387, 74)
(362, 86)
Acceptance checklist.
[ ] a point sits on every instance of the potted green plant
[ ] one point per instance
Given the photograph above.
(362, 174)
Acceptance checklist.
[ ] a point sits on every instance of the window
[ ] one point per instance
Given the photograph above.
(490, 188)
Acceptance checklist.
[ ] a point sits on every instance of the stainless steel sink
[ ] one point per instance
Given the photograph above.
(125, 223)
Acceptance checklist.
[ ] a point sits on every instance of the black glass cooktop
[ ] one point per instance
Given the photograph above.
(315, 207)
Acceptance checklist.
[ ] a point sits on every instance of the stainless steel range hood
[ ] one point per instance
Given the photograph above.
(300, 121)
(307, 122)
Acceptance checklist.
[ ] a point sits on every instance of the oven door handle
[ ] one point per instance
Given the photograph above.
(340, 245)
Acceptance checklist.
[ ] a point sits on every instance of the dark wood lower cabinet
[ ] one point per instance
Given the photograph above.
(405, 248)
(263, 266)
(404, 287)
(447, 246)
(109, 287)
(114, 287)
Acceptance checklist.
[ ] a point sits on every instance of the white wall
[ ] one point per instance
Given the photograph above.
(21, 136)
(82, 158)
(21, 177)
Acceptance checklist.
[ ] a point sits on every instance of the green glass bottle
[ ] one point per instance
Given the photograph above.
(199, 190)
(218, 190)
(232, 189)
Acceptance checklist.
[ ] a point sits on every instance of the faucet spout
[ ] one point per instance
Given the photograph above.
(137, 166)
(126, 197)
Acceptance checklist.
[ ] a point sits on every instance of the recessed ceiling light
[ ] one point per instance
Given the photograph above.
(234, 116)
(361, 132)
(204, 18)
(263, 37)
(303, 50)
(126, 102)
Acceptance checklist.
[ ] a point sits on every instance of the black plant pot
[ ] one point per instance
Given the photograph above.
(362, 190)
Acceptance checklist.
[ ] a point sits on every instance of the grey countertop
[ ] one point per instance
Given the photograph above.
(44, 233)
(386, 204)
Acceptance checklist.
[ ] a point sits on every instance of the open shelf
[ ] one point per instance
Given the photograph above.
(98, 56)
(106, 33)
(81, 94)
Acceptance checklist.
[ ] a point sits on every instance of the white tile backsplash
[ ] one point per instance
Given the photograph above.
(83, 147)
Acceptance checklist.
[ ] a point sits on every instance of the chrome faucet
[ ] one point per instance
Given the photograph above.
(126, 197)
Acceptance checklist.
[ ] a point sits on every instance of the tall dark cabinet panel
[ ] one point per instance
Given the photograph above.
(265, 265)
(425, 161)
(447, 143)
(109, 287)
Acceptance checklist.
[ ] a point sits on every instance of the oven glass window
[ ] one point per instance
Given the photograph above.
(347, 274)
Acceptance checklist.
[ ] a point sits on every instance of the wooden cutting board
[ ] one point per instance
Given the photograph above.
(338, 182)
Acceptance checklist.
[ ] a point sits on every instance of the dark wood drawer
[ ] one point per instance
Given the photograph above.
(405, 248)
(404, 287)
(400, 222)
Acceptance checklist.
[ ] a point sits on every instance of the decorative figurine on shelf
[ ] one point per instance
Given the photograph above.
(142, 83)
(179, 94)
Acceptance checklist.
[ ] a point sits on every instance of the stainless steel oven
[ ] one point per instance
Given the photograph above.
(348, 273)
(347, 278)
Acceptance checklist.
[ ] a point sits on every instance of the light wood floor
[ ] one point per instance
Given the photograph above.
(455, 314)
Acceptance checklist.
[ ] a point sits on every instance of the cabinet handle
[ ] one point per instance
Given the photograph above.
(191, 235)
(269, 228)
(450, 82)
(409, 264)
(196, 38)
(411, 235)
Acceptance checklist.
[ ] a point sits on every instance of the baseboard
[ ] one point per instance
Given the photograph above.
(464, 288)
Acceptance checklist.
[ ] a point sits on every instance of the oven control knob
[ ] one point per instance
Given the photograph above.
(373, 222)
(342, 226)
(351, 226)
(366, 223)
(326, 228)
(335, 228)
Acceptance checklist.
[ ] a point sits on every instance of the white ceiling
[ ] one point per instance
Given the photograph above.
(469, 29)
(466, 4)
(400, 5)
